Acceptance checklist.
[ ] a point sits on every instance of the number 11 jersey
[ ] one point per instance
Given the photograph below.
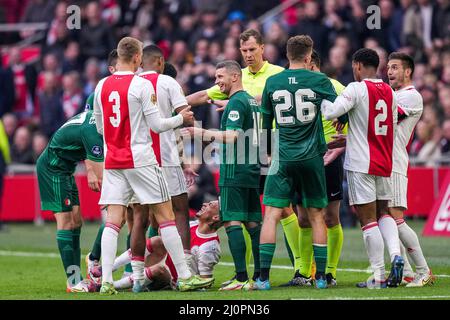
(293, 97)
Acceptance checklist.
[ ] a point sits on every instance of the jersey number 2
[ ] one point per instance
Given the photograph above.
(114, 97)
(381, 130)
(305, 111)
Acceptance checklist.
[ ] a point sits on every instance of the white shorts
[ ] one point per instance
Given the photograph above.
(147, 183)
(399, 185)
(365, 188)
(175, 181)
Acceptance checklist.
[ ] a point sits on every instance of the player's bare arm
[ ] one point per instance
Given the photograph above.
(94, 172)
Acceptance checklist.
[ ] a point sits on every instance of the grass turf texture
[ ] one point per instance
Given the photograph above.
(29, 259)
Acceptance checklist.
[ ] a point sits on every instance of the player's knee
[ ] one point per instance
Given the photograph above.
(331, 220)
(304, 222)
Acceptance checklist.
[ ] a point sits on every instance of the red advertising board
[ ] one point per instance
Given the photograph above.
(438, 222)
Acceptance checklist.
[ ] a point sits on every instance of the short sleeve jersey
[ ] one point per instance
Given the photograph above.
(293, 97)
(75, 141)
(239, 161)
(89, 105)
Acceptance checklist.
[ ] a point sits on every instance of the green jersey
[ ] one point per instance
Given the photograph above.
(293, 98)
(89, 102)
(239, 161)
(75, 141)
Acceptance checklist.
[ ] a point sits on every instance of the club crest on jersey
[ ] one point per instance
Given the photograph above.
(97, 151)
(67, 202)
(234, 115)
(153, 98)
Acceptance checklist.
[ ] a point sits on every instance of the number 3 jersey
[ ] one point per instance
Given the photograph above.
(121, 103)
(293, 97)
(372, 111)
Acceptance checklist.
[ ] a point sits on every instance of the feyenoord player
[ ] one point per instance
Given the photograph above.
(125, 112)
(372, 111)
(410, 105)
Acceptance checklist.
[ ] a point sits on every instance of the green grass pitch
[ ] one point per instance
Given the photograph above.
(30, 269)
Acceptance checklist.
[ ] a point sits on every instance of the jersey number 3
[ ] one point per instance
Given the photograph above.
(114, 97)
(305, 111)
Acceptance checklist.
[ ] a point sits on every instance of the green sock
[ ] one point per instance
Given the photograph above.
(152, 232)
(320, 256)
(306, 251)
(96, 251)
(248, 248)
(292, 232)
(266, 251)
(236, 243)
(76, 246)
(335, 241)
(64, 238)
(128, 267)
(254, 235)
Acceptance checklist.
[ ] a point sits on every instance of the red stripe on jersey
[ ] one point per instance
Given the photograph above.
(380, 133)
(172, 269)
(198, 241)
(117, 131)
(153, 77)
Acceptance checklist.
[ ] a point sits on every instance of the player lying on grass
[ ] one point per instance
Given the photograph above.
(159, 269)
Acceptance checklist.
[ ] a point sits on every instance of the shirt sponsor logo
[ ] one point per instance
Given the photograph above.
(253, 102)
(97, 151)
(234, 115)
(153, 98)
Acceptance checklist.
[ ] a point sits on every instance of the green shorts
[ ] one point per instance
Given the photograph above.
(305, 177)
(59, 193)
(240, 204)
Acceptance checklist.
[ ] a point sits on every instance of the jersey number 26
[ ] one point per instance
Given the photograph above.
(305, 111)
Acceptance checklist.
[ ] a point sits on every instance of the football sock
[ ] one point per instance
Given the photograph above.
(123, 259)
(292, 232)
(289, 251)
(96, 251)
(407, 269)
(266, 252)
(137, 264)
(152, 232)
(389, 232)
(109, 250)
(373, 242)
(306, 251)
(172, 241)
(254, 235)
(64, 238)
(128, 267)
(248, 248)
(124, 283)
(335, 236)
(236, 242)
(320, 257)
(411, 242)
(76, 246)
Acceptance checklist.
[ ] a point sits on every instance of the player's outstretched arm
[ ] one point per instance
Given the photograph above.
(197, 98)
(343, 103)
(229, 136)
(159, 124)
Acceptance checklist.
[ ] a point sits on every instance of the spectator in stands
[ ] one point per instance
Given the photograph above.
(208, 29)
(71, 60)
(39, 143)
(204, 188)
(96, 37)
(278, 37)
(21, 151)
(73, 98)
(10, 124)
(186, 28)
(50, 63)
(426, 147)
(444, 100)
(37, 11)
(445, 141)
(91, 76)
(338, 61)
(7, 90)
(50, 100)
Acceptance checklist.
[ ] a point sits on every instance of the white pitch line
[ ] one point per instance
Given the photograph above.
(377, 298)
(225, 264)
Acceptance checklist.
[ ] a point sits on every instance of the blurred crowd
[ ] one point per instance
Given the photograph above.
(38, 95)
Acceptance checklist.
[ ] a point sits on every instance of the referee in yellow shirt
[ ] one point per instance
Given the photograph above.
(254, 78)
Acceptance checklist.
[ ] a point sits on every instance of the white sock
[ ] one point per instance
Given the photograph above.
(389, 231)
(137, 264)
(172, 242)
(411, 242)
(109, 250)
(123, 259)
(124, 283)
(407, 269)
(375, 249)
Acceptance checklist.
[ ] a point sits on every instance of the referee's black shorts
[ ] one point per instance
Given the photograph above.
(334, 174)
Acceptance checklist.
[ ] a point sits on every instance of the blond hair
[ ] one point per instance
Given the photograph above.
(127, 48)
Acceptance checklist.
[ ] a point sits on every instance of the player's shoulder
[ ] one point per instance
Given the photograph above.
(273, 68)
(409, 96)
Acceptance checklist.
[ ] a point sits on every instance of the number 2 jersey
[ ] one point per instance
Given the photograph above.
(372, 111)
(293, 97)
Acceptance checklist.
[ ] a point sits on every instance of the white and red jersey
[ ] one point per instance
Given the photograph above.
(410, 107)
(205, 250)
(372, 112)
(123, 100)
(170, 96)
